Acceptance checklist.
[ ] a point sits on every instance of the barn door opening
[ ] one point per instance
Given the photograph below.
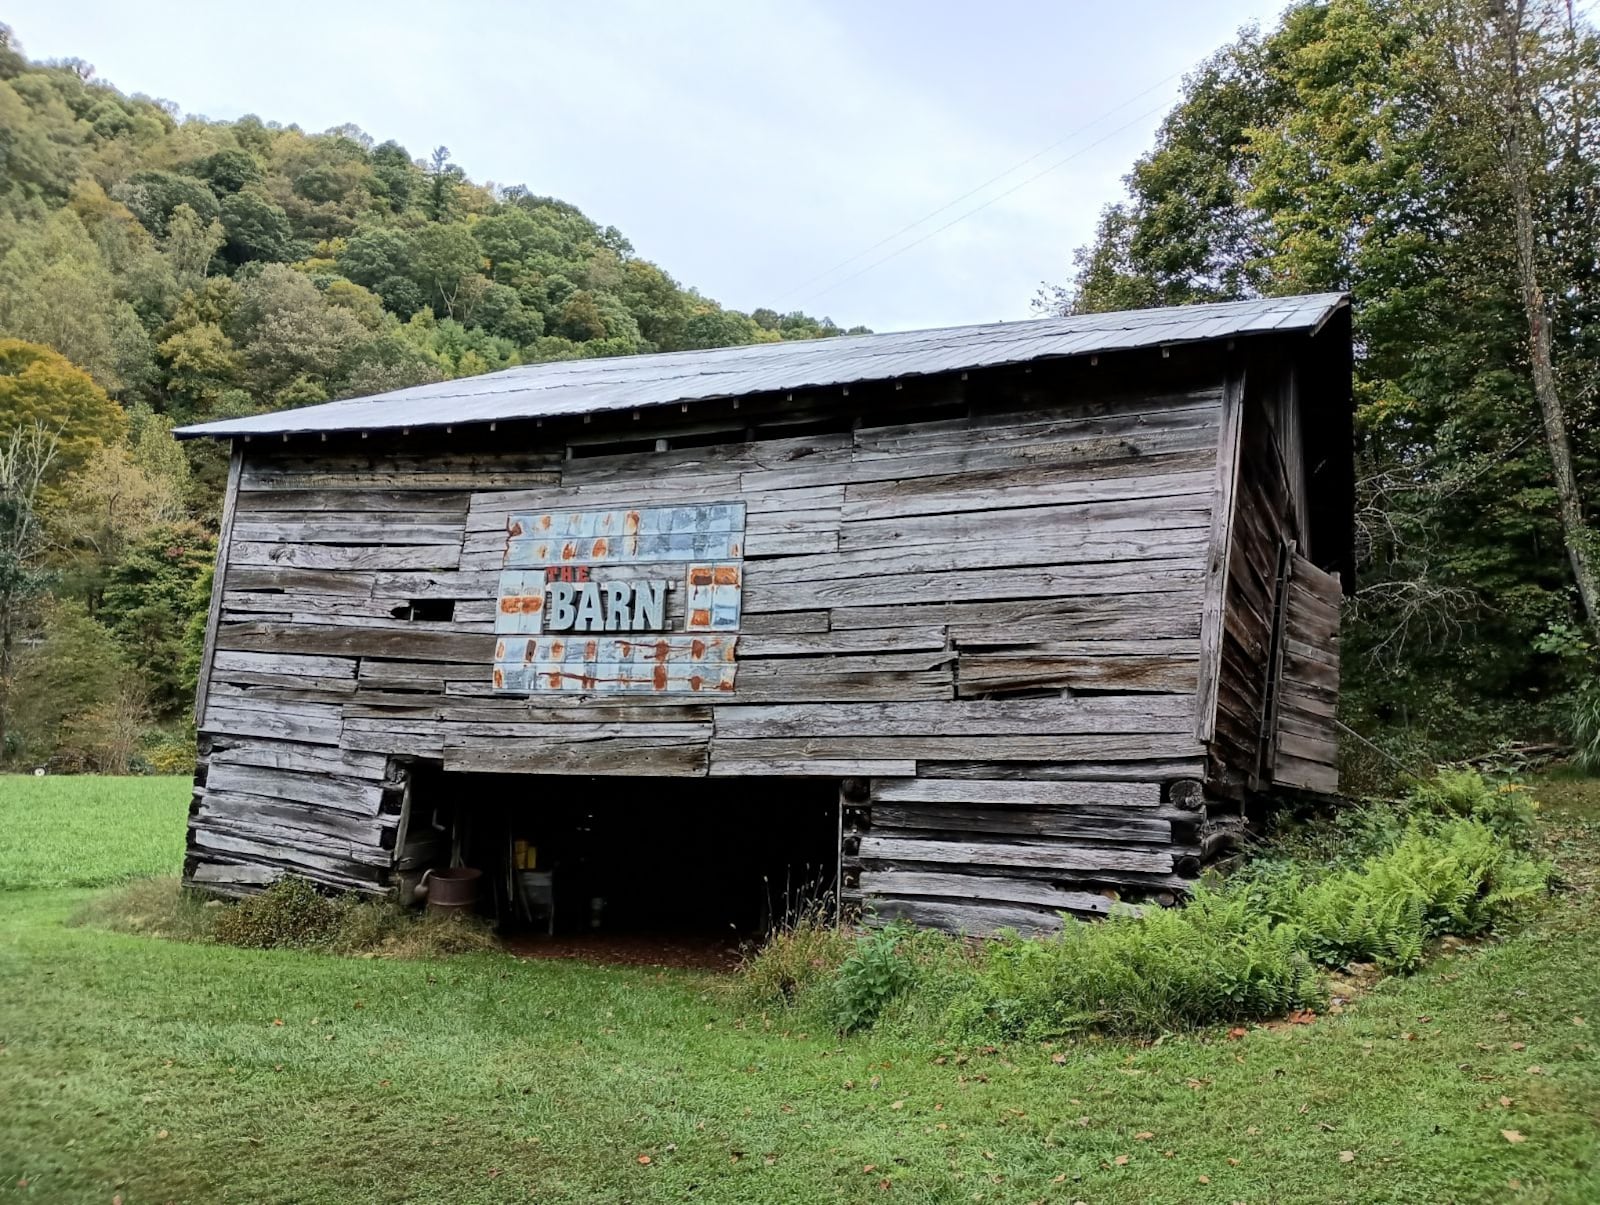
(644, 858)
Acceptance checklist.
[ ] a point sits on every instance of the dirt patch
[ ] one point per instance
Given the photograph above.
(687, 951)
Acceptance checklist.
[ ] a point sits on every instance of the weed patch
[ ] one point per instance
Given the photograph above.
(291, 915)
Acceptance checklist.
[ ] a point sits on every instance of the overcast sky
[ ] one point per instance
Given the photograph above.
(749, 149)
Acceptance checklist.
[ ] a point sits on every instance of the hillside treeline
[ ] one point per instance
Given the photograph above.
(157, 269)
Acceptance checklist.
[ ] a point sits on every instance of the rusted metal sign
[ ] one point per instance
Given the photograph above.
(670, 576)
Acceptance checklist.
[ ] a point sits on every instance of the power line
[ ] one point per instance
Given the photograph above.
(865, 251)
(977, 208)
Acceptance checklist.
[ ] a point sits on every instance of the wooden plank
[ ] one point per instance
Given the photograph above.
(1040, 855)
(259, 810)
(1175, 613)
(733, 767)
(219, 577)
(973, 920)
(1027, 487)
(287, 664)
(1148, 770)
(1130, 827)
(1082, 418)
(630, 755)
(311, 759)
(1225, 484)
(331, 556)
(763, 594)
(319, 531)
(1111, 713)
(1019, 793)
(864, 640)
(783, 622)
(1098, 747)
(1135, 515)
(378, 501)
(987, 888)
(234, 720)
(335, 641)
(996, 672)
(360, 796)
(1043, 547)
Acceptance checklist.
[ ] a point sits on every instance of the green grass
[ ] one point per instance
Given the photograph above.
(159, 1071)
(80, 831)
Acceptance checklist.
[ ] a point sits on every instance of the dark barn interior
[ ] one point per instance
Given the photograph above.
(658, 857)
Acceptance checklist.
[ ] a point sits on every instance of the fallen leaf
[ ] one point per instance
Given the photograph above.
(899, 1104)
(494, 1172)
(1577, 1020)
(885, 1184)
(1061, 1179)
(1536, 1070)
(644, 1160)
(1506, 1102)
(277, 1020)
(1347, 1156)
(1233, 1163)
(1253, 1131)
(869, 1168)
(1513, 1135)
(1144, 1136)
(1121, 1161)
(1237, 1032)
(1058, 1058)
(161, 1134)
(1519, 1045)
(1205, 1179)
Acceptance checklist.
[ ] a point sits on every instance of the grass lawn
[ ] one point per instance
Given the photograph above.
(155, 1071)
(67, 831)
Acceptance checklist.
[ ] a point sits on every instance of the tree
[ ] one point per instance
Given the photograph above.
(1354, 147)
(257, 229)
(151, 595)
(1524, 63)
(443, 178)
(55, 288)
(26, 457)
(40, 389)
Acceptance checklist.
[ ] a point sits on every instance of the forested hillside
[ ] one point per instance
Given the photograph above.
(158, 269)
(1442, 164)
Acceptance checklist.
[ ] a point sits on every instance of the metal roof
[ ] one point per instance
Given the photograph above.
(572, 387)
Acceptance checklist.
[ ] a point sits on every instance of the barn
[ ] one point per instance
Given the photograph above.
(973, 627)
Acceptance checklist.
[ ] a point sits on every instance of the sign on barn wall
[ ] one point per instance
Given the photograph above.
(620, 600)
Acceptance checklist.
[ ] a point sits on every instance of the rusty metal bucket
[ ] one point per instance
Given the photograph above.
(452, 890)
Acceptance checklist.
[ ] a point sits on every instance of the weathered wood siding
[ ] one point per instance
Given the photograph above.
(1000, 610)
(1278, 670)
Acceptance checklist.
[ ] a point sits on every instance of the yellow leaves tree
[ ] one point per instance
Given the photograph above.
(39, 386)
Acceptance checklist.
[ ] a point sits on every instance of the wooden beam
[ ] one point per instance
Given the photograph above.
(219, 574)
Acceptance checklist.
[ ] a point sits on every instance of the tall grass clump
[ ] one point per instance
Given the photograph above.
(1585, 724)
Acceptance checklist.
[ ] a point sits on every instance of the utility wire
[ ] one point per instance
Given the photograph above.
(972, 192)
(978, 208)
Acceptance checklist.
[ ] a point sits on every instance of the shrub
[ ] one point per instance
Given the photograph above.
(1506, 808)
(1585, 724)
(1458, 877)
(1214, 960)
(874, 973)
(171, 755)
(289, 913)
(793, 960)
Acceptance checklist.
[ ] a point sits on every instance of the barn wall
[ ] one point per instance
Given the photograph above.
(991, 619)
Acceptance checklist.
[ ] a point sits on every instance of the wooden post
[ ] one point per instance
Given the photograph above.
(224, 539)
(1217, 549)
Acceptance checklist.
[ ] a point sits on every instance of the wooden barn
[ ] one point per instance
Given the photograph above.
(975, 626)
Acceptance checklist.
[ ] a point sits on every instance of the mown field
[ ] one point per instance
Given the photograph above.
(147, 1071)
